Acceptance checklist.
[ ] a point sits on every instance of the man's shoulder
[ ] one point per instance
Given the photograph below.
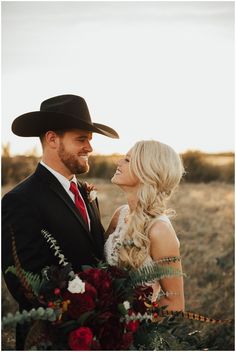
(24, 186)
(32, 181)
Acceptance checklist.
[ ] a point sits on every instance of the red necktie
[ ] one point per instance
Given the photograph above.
(78, 201)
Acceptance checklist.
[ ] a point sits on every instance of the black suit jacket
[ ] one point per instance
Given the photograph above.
(40, 202)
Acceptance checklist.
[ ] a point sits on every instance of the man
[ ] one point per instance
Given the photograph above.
(48, 199)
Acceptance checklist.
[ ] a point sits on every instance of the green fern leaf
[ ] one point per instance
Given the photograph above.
(152, 273)
(34, 280)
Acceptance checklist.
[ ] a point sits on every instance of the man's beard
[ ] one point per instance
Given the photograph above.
(71, 162)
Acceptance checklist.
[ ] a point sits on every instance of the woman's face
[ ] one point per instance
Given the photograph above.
(123, 175)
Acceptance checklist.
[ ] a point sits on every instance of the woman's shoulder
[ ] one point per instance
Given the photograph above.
(162, 235)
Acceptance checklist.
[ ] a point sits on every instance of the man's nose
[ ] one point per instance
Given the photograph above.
(89, 147)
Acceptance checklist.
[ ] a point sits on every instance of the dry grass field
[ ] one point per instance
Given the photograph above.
(205, 226)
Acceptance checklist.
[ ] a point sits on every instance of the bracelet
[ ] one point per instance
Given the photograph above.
(169, 259)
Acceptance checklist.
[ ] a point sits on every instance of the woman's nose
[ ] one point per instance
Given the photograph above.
(119, 162)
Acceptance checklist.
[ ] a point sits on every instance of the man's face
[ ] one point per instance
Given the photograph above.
(73, 151)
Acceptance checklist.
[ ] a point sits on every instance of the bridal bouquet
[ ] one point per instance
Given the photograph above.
(98, 308)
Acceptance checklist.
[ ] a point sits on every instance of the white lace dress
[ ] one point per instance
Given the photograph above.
(115, 239)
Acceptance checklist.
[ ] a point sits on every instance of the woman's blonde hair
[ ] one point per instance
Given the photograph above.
(159, 169)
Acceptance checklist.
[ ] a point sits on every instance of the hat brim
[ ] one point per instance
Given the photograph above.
(36, 123)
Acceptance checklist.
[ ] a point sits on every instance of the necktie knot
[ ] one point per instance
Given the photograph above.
(73, 188)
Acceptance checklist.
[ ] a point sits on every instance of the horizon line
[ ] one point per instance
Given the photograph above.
(30, 153)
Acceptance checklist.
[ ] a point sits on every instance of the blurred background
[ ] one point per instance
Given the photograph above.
(151, 70)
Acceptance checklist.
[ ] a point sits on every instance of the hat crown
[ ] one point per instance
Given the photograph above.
(67, 104)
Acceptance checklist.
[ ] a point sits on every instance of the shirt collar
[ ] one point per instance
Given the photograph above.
(62, 179)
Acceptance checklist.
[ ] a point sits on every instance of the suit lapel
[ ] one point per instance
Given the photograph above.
(93, 213)
(65, 197)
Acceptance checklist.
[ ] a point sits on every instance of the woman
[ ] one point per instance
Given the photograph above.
(140, 232)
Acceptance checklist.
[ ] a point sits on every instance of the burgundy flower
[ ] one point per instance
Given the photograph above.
(90, 289)
(93, 276)
(107, 301)
(79, 303)
(80, 339)
(98, 278)
(103, 317)
(110, 334)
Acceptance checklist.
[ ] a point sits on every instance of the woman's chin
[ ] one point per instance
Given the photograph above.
(115, 180)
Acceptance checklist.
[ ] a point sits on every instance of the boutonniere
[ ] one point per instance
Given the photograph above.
(91, 191)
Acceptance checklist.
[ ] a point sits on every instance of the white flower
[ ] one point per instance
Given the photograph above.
(126, 305)
(92, 195)
(76, 285)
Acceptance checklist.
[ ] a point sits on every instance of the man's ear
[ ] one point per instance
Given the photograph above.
(51, 139)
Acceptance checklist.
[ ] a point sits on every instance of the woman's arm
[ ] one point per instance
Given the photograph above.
(164, 243)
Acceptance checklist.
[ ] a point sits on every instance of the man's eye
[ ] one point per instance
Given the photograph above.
(127, 160)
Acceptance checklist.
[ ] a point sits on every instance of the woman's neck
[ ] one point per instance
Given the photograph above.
(131, 196)
(132, 200)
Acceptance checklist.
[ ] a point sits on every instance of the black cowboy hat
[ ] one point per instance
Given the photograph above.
(62, 112)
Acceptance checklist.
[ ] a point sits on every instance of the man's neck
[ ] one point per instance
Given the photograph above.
(57, 168)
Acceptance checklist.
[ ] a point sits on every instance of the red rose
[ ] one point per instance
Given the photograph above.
(132, 325)
(80, 339)
(79, 303)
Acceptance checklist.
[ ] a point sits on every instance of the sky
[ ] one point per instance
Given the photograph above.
(151, 70)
